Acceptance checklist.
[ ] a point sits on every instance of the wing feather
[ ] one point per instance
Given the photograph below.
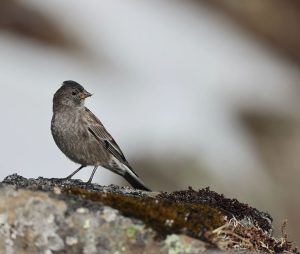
(97, 129)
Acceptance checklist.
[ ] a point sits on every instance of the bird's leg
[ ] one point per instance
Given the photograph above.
(92, 175)
(70, 176)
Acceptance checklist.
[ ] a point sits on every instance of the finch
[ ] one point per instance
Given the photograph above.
(81, 136)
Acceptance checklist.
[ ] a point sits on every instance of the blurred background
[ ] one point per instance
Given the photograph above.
(197, 93)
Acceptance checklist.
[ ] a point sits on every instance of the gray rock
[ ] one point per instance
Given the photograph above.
(42, 222)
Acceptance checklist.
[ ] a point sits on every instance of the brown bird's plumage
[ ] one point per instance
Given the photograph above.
(82, 137)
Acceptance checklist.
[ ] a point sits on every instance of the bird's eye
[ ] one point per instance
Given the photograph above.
(74, 93)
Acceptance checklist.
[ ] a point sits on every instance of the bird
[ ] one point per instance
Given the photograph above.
(81, 136)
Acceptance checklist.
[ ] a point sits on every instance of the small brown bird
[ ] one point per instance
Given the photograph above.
(81, 136)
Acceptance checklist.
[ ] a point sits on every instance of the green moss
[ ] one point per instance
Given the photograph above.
(164, 216)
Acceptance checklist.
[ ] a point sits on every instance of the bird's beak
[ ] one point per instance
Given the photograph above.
(85, 94)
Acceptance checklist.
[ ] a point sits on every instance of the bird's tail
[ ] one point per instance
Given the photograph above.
(126, 171)
(135, 181)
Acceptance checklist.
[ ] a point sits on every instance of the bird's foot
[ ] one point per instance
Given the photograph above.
(66, 178)
(89, 182)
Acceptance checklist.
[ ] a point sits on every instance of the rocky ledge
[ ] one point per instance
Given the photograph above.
(68, 216)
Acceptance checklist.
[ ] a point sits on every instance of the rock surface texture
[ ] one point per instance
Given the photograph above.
(57, 216)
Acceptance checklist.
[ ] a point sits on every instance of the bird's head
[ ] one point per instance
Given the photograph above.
(70, 94)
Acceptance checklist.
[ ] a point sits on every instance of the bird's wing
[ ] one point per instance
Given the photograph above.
(97, 129)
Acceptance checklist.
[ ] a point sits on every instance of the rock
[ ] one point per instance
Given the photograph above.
(57, 216)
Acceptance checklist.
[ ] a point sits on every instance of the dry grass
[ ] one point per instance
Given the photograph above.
(245, 236)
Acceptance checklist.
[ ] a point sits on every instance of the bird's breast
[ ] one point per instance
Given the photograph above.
(68, 126)
(71, 135)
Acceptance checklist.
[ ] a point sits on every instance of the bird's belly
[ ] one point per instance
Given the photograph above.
(78, 145)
